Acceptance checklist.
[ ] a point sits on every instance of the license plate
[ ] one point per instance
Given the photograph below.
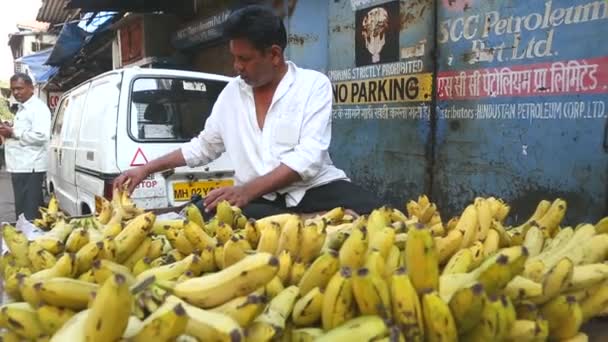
(183, 191)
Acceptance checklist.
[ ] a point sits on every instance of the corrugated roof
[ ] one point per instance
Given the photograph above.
(54, 11)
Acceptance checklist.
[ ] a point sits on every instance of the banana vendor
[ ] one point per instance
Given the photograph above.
(274, 122)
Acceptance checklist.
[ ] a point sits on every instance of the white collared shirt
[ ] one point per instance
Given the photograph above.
(297, 133)
(27, 151)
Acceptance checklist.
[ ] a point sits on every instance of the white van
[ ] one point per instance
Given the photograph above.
(124, 118)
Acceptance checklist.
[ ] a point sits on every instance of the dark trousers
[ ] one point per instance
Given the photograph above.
(322, 198)
(27, 188)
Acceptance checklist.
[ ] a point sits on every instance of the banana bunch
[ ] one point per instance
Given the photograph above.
(49, 214)
(123, 274)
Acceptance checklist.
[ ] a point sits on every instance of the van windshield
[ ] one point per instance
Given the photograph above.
(170, 109)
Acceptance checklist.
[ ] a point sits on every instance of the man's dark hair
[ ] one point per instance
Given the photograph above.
(259, 25)
(22, 76)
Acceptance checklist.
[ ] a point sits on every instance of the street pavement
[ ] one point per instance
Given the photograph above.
(7, 207)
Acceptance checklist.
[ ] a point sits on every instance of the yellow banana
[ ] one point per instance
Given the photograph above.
(53, 239)
(22, 319)
(460, 262)
(252, 232)
(320, 272)
(412, 208)
(194, 214)
(237, 280)
(52, 318)
(407, 311)
(208, 325)
(273, 319)
(269, 238)
(243, 309)
(224, 213)
(235, 249)
(467, 225)
(421, 259)
(132, 235)
(313, 238)
(491, 243)
(496, 272)
(520, 288)
(296, 272)
(334, 216)
(494, 322)
(585, 276)
(105, 213)
(289, 239)
(352, 252)
(393, 261)
(169, 271)
(555, 281)
(306, 334)
(110, 310)
(285, 262)
(307, 310)
(477, 252)
(602, 225)
(527, 310)
(375, 263)
(467, 306)
(363, 328)
(377, 220)
(448, 245)
(553, 217)
(528, 330)
(73, 329)
(273, 287)
(160, 227)
(484, 218)
(40, 258)
(564, 315)
(595, 303)
(596, 249)
(338, 299)
(382, 241)
(165, 324)
(197, 235)
(77, 239)
(505, 237)
(17, 244)
(218, 255)
(223, 233)
(371, 293)
(109, 249)
(534, 241)
(104, 269)
(140, 252)
(66, 292)
(438, 320)
(87, 254)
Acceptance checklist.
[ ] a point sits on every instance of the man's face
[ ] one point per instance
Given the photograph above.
(255, 67)
(21, 90)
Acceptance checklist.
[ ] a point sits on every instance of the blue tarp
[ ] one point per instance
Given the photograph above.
(70, 41)
(36, 64)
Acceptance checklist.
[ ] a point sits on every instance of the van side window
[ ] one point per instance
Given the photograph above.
(170, 109)
(59, 116)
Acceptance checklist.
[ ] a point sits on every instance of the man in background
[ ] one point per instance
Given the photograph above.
(25, 146)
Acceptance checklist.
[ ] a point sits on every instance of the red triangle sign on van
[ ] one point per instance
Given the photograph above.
(139, 158)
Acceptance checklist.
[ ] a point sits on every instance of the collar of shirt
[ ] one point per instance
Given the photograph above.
(27, 104)
(284, 85)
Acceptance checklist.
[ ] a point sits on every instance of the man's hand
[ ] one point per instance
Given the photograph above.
(134, 176)
(236, 195)
(6, 131)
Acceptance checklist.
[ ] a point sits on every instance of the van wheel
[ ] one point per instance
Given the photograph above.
(84, 209)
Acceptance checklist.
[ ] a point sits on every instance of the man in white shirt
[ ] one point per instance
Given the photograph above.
(274, 122)
(25, 146)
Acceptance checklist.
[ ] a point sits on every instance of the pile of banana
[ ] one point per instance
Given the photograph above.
(48, 215)
(124, 275)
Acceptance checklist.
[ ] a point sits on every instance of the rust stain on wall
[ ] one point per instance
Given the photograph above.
(301, 39)
(412, 11)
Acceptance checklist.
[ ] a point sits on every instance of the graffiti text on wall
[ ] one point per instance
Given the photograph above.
(417, 112)
(529, 111)
(522, 44)
(574, 76)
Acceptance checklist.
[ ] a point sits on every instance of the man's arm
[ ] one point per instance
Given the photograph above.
(138, 174)
(40, 132)
(240, 196)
